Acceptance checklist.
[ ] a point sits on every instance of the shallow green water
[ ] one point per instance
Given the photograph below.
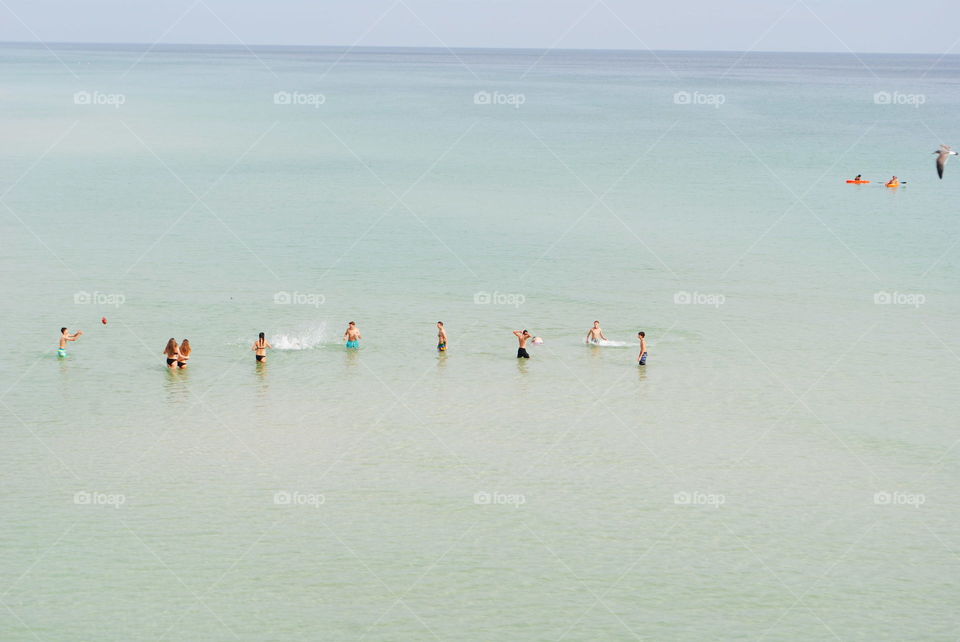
(783, 468)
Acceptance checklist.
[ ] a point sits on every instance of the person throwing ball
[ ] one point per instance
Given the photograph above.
(522, 336)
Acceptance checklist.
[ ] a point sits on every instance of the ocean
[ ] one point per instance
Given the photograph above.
(783, 467)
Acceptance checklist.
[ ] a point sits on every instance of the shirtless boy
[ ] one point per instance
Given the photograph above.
(352, 335)
(441, 337)
(522, 337)
(64, 337)
(595, 334)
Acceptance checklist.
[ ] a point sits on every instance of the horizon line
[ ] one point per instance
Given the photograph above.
(441, 48)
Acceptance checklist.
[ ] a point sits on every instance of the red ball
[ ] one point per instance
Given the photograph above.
(103, 320)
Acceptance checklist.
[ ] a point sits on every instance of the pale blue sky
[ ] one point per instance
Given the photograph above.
(929, 26)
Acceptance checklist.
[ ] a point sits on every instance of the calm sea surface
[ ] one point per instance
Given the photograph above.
(783, 468)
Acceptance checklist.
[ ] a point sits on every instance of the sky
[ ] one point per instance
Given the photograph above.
(868, 26)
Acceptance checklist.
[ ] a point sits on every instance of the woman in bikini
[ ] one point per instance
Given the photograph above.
(172, 351)
(184, 354)
(260, 348)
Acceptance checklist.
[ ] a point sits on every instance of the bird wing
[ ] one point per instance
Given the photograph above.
(941, 161)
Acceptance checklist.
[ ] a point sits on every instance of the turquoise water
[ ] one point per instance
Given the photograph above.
(783, 468)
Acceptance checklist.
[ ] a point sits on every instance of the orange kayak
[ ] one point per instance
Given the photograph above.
(857, 182)
(897, 184)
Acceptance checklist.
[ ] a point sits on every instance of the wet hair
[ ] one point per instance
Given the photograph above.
(642, 334)
(439, 322)
(261, 335)
(353, 323)
(596, 322)
(525, 332)
(185, 348)
(62, 330)
(171, 347)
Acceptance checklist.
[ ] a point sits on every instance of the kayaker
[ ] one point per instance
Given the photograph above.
(893, 182)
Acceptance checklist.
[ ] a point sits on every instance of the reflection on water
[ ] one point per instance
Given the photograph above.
(175, 385)
(352, 359)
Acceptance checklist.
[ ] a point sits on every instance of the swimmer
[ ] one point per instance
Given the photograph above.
(184, 354)
(642, 358)
(522, 337)
(352, 335)
(260, 348)
(64, 337)
(441, 337)
(595, 334)
(172, 352)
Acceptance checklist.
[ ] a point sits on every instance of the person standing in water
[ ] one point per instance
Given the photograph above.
(172, 352)
(259, 348)
(184, 354)
(642, 358)
(595, 334)
(522, 337)
(441, 337)
(352, 335)
(64, 337)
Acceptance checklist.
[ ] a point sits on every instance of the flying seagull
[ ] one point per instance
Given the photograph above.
(942, 155)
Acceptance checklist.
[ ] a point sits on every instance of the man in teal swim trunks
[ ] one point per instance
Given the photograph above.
(352, 335)
(64, 337)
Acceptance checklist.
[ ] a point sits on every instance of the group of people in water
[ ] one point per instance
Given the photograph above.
(177, 355)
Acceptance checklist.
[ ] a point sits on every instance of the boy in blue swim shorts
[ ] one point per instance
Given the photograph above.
(352, 336)
(64, 337)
